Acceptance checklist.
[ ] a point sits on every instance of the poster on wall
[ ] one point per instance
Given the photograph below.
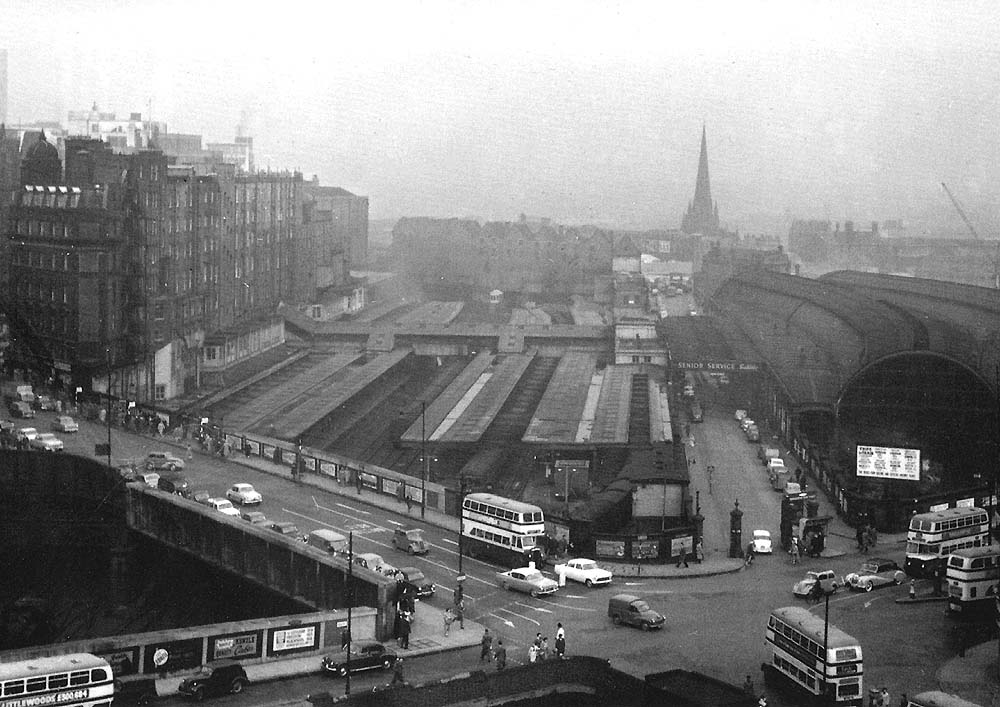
(888, 463)
(172, 655)
(235, 645)
(294, 638)
(123, 661)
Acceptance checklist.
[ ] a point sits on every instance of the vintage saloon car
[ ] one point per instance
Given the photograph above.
(826, 578)
(874, 573)
(364, 656)
(527, 580)
(584, 571)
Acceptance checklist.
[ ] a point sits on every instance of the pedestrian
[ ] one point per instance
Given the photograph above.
(532, 653)
(795, 551)
(404, 630)
(160, 427)
(913, 589)
(937, 581)
(409, 503)
(190, 455)
(886, 700)
(501, 655)
(543, 650)
(358, 482)
(699, 552)
(560, 641)
(748, 686)
(538, 640)
(682, 558)
(397, 673)
(460, 613)
(486, 646)
(748, 560)
(449, 618)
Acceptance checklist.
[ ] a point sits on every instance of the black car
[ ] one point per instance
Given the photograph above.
(287, 529)
(213, 681)
(364, 656)
(414, 581)
(22, 410)
(137, 691)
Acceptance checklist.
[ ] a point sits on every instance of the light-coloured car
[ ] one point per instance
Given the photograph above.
(874, 573)
(746, 422)
(150, 478)
(584, 571)
(374, 561)
(740, 414)
(223, 505)
(46, 442)
(65, 423)
(826, 578)
(26, 433)
(157, 461)
(527, 580)
(762, 542)
(244, 495)
(689, 391)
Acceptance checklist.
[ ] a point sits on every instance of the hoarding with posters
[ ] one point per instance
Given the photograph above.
(888, 463)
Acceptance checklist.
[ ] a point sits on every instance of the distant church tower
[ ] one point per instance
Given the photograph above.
(702, 214)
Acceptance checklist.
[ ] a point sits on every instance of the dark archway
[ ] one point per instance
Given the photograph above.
(925, 401)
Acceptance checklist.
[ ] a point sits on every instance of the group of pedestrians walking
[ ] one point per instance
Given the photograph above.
(538, 649)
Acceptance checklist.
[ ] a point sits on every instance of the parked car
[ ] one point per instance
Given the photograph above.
(410, 540)
(752, 433)
(826, 578)
(363, 656)
(874, 573)
(224, 506)
(44, 402)
(65, 423)
(253, 517)
(21, 410)
(374, 561)
(46, 442)
(688, 391)
(139, 690)
(175, 483)
(328, 541)
(768, 451)
(202, 497)
(527, 580)
(287, 529)
(584, 571)
(415, 581)
(244, 495)
(631, 610)
(213, 681)
(157, 461)
(762, 542)
(746, 422)
(696, 413)
(25, 433)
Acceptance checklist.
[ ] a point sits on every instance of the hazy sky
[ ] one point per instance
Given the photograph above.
(581, 111)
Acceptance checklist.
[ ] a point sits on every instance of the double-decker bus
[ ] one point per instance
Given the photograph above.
(71, 680)
(935, 535)
(972, 579)
(820, 662)
(935, 698)
(502, 530)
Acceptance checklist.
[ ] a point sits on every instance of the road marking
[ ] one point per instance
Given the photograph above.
(395, 522)
(508, 611)
(568, 606)
(533, 608)
(634, 584)
(508, 622)
(449, 541)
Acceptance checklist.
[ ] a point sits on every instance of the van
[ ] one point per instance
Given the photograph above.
(328, 541)
(631, 610)
(775, 463)
(766, 452)
(410, 540)
(175, 483)
(792, 488)
(778, 476)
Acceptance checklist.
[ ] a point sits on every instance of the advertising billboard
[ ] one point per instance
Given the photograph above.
(888, 463)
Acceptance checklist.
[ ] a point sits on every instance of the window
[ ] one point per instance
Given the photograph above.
(161, 391)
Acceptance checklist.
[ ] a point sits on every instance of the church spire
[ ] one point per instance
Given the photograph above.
(702, 215)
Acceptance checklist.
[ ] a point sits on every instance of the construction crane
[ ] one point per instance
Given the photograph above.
(961, 211)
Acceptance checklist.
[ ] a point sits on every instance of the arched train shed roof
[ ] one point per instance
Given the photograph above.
(814, 335)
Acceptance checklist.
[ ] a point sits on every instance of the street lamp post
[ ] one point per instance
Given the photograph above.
(349, 591)
(461, 502)
(107, 416)
(424, 462)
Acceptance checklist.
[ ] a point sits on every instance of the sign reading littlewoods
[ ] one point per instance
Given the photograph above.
(889, 463)
(720, 366)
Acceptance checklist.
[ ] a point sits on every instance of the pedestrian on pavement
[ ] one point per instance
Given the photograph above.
(449, 618)
(357, 481)
(397, 673)
(748, 559)
(532, 653)
(404, 630)
(501, 655)
(190, 456)
(682, 558)
(795, 551)
(560, 641)
(699, 552)
(409, 503)
(937, 581)
(538, 640)
(460, 613)
(486, 646)
(913, 589)
(543, 651)
(886, 700)
(748, 686)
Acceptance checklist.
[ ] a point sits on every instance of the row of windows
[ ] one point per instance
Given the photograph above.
(939, 526)
(41, 292)
(38, 259)
(944, 549)
(800, 676)
(54, 682)
(488, 536)
(797, 638)
(496, 512)
(977, 563)
(58, 198)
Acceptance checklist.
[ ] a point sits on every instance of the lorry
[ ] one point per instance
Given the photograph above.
(17, 391)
